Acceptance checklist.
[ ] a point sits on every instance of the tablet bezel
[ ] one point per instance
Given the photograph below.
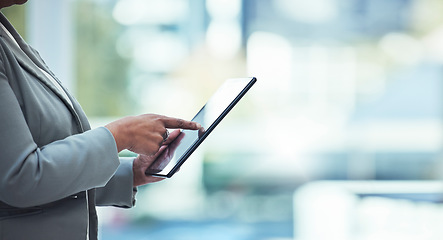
(197, 143)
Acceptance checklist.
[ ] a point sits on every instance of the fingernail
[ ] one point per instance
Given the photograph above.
(199, 126)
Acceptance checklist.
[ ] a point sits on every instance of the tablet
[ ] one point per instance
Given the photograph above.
(210, 115)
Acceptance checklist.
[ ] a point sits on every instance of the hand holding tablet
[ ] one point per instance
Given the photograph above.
(171, 156)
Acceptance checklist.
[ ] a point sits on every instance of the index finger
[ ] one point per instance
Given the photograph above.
(180, 123)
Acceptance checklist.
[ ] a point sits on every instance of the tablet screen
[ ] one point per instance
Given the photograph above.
(218, 106)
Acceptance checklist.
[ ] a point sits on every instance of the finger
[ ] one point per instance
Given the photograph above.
(151, 179)
(160, 151)
(172, 136)
(180, 123)
(173, 146)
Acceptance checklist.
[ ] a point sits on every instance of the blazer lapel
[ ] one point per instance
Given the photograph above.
(31, 61)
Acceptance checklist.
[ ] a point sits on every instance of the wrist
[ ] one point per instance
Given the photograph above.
(115, 130)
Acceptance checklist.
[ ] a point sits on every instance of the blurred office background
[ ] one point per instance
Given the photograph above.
(341, 138)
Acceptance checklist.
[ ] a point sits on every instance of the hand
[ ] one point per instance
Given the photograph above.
(144, 134)
(157, 161)
(166, 153)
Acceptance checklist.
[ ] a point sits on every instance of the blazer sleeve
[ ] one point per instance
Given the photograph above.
(119, 191)
(32, 175)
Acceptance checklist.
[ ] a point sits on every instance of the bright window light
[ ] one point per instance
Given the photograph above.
(130, 12)
(313, 11)
(224, 39)
(223, 9)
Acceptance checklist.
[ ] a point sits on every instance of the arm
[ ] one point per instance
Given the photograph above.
(31, 175)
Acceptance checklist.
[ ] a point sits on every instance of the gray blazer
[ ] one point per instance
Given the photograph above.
(54, 170)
